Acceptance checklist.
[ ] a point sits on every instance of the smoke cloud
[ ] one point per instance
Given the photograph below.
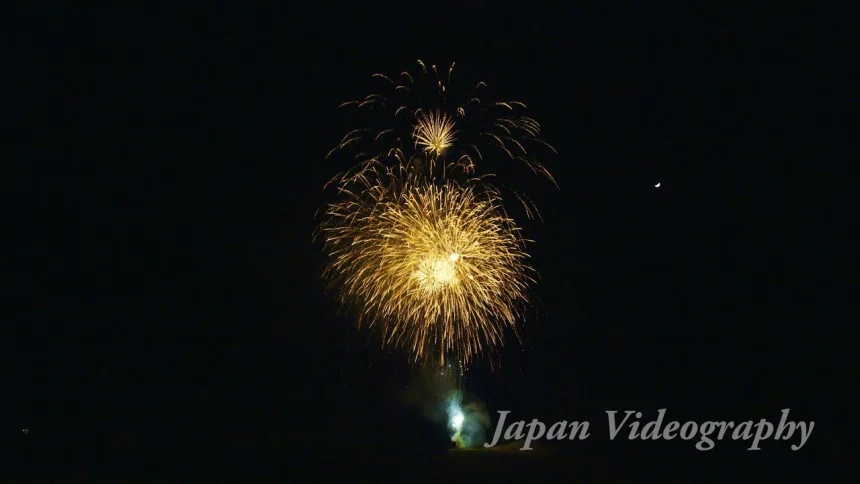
(440, 397)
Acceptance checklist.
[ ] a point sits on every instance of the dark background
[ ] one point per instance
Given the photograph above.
(165, 294)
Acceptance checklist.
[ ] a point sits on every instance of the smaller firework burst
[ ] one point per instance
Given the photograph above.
(434, 132)
(418, 109)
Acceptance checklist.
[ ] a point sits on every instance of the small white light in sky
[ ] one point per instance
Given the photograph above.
(25, 431)
(458, 421)
(657, 185)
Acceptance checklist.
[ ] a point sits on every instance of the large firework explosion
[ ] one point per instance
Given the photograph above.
(419, 244)
(435, 265)
(415, 119)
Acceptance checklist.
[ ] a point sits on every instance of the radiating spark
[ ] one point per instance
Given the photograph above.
(434, 132)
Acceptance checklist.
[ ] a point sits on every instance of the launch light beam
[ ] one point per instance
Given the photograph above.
(434, 132)
(457, 421)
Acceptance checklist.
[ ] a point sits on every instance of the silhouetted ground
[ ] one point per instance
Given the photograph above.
(358, 463)
(394, 447)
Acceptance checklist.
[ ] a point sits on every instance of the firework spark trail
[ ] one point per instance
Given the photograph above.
(417, 110)
(439, 268)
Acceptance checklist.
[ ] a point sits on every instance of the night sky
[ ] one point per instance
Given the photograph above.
(166, 290)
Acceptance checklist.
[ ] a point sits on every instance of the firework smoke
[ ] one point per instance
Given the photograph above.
(439, 395)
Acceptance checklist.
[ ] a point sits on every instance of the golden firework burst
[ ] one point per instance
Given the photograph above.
(438, 268)
(434, 132)
(418, 109)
